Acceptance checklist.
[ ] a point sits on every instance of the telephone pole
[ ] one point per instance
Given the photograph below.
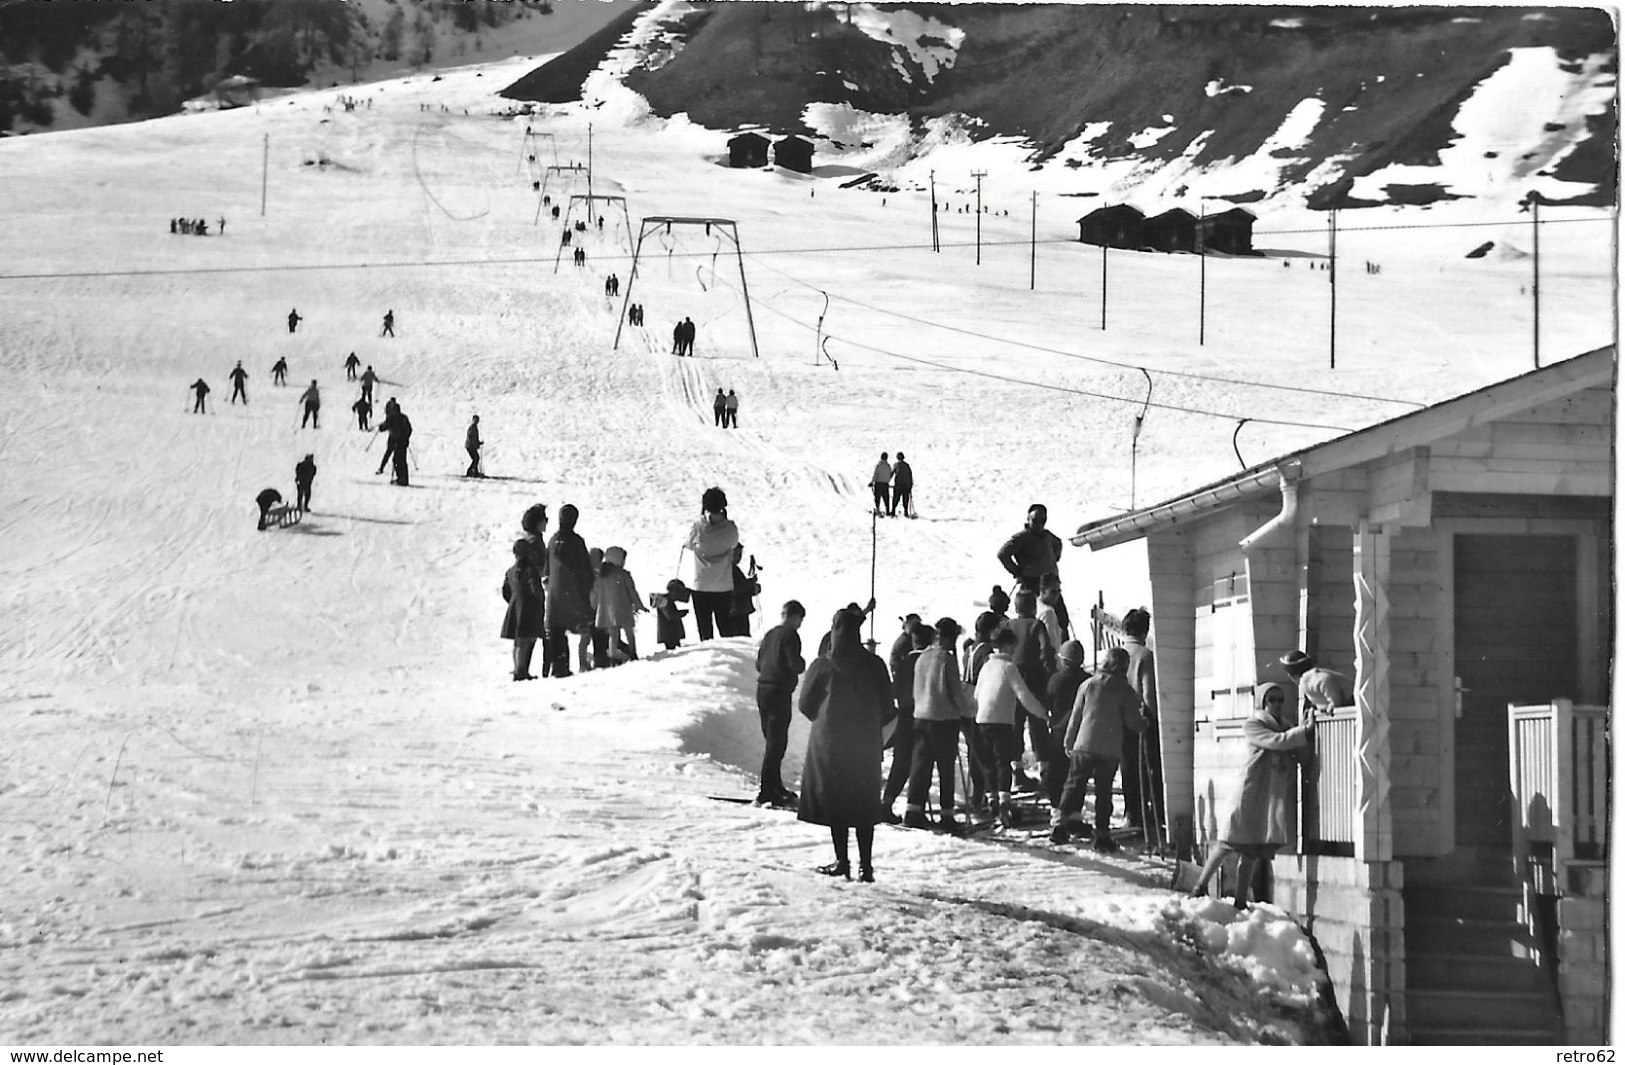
(1333, 264)
(1032, 265)
(1534, 203)
(978, 175)
(936, 245)
(265, 170)
(1201, 249)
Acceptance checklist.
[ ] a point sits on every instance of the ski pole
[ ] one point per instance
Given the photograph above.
(874, 518)
(369, 441)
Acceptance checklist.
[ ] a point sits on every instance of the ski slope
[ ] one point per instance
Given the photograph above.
(278, 787)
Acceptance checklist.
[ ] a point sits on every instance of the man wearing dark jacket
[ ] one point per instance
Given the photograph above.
(1104, 709)
(1032, 552)
(399, 428)
(778, 666)
(569, 589)
(902, 488)
(304, 476)
(1059, 695)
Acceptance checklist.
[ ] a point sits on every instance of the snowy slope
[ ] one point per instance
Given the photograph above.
(277, 788)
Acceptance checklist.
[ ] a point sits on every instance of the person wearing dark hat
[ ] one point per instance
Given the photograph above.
(569, 580)
(859, 612)
(1321, 688)
(846, 694)
(1105, 708)
(1261, 805)
(778, 666)
(1059, 694)
(1142, 777)
(942, 701)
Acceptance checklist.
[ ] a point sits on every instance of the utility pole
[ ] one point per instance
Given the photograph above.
(1032, 266)
(1534, 203)
(1332, 222)
(589, 171)
(265, 170)
(1103, 245)
(1201, 304)
(936, 245)
(978, 175)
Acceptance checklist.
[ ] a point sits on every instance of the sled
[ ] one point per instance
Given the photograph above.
(282, 515)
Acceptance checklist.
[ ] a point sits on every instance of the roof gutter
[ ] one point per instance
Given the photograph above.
(1117, 530)
(1284, 520)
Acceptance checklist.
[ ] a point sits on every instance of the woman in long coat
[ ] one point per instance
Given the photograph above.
(846, 694)
(569, 589)
(1258, 824)
(524, 623)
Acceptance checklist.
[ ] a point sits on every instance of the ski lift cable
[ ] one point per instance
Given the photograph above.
(1094, 358)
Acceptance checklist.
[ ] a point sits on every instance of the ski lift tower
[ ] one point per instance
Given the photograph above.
(527, 148)
(726, 227)
(589, 199)
(572, 167)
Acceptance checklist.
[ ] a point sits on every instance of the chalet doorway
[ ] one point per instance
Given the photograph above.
(1517, 637)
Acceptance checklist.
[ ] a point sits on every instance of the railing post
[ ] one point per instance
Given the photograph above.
(1562, 798)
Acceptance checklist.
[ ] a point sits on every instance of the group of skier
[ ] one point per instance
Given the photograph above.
(194, 227)
(893, 486)
(725, 409)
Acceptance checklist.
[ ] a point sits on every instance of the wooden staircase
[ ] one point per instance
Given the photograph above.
(1472, 974)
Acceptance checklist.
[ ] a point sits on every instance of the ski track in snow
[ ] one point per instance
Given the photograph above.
(276, 788)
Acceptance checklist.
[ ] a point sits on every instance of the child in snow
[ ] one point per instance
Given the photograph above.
(616, 605)
(669, 616)
(977, 650)
(590, 653)
(523, 624)
(999, 691)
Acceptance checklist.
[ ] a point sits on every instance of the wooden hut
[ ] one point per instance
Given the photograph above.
(1172, 230)
(1230, 232)
(239, 90)
(1115, 226)
(748, 149)
(794, 153)
(1455, 563)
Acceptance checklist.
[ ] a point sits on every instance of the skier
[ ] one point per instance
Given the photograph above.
(363, 413)
(399, 428)
(368, 379)
(202, 390)
(389, 324)
(279, 371)
(941, 703)
(1032, 552)
(238, 376)
(1104, 710)
(731, 411)
(880, 481)
(312, 400)
(778, 666)
(304, 475)
(472, 444)
(719, 409)
(391, 408)
(293, 319)
(349, 367)
(902, 488)
(222, 225)
(268, 498)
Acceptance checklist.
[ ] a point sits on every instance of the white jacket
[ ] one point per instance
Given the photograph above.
(1000, 688)
(713, 549)
(882, 474)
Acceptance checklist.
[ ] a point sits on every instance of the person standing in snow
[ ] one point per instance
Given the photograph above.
(880, 482)
(1034, 655)
(268, 498)
(363, 412)
(389, 324)
(677, 339)
(669, 615)
(902, 488)
(368, 379)
(294, 319)
(312, 399)
(391, 409)
(999, 691)
(942, 703)
(712, 540)
(1060, 695)
(778, 666)
(719, 410)
(1033, 552)
(524, 622)
(202, 389)
(740, 606)
(569, 580)
(399, 428)
(1142, 776)
(1104, 709)
(846, 695)
(731, 411)
(279, 372)
(349, 367)
(1261, 805)
(471, 444)
(905, 653)
(304, 477)
(238, 377)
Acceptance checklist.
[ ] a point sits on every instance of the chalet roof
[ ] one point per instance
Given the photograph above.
(1113, 209)
(747, 138)
(1172, 216)
(1234, 212)
(793, 139)
(1415, 429)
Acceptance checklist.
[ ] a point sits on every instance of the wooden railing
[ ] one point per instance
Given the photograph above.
(1332, 787)
(1559, 767)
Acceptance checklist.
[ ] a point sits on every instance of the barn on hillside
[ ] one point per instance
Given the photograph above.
(1115, 226)
(794, 153)
(1451, 850)
(1230, 232)
(1172, 230)
(748, 149)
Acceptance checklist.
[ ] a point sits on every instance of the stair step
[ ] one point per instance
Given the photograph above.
(1465, 972)
(1466, 1009)
(1478, 1036)
(1483, 903)
(1467, 936)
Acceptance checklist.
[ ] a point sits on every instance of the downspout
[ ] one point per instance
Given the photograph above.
(1285, 519)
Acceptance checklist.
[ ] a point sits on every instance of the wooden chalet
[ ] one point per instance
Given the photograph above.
(748, 149)
(1115, 226)
(1455, 563)
(794, 153)
(1172, 230)
(1230, 232)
